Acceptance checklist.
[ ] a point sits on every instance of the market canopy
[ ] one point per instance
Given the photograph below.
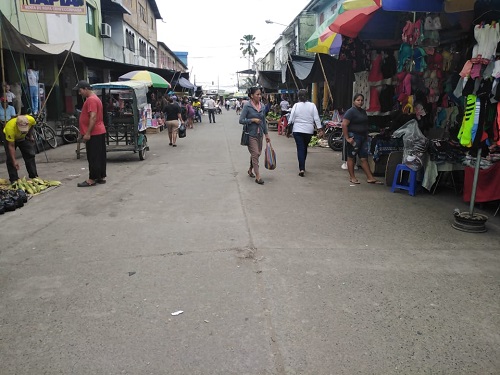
(183, 82)
(14, 41)
(154, 79)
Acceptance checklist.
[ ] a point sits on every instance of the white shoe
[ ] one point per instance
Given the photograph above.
(344, 166)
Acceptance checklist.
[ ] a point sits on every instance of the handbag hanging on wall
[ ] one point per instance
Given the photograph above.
(245, 137)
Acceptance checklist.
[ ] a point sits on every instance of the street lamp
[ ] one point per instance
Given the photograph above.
(277, 23)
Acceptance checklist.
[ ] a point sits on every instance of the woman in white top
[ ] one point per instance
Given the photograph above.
(305, 118)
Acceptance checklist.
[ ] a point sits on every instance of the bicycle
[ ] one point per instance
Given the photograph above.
(69, 132)
(44, 133)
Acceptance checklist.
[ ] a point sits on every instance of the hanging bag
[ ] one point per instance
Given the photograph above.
(270, 160)
(245, 137)
(182, 130)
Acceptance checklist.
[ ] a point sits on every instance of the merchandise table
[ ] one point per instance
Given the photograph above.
(488, 184)
(434, 172)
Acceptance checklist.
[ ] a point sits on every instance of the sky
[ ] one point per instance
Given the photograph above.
(210, 31)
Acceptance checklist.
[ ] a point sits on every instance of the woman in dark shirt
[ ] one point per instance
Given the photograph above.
(253, 115)
(355, 130)
(172, 112)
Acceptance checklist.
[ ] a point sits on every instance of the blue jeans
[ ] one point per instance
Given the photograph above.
(34, 99)
(302, 141)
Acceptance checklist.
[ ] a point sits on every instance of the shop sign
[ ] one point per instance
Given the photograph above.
(77, 7)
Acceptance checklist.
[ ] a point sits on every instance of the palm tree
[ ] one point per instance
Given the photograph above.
(248, 44)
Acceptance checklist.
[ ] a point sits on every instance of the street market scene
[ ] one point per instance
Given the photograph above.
(318, 197)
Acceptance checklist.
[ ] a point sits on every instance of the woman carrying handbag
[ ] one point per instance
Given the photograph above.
(304, 117)
(254, 117)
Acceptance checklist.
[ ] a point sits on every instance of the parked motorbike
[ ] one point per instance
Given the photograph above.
(333, 130)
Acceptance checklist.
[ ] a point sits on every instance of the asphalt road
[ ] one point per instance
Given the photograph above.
(298, 276)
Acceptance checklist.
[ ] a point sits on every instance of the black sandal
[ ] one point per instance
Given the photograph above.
(260, 182)
(85, 184)
(250, 174)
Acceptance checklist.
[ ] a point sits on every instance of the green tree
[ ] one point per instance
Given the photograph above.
(247, 48)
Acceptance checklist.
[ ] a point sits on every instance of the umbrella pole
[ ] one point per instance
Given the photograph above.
(324, 76)
(474, 182)
(291, 72)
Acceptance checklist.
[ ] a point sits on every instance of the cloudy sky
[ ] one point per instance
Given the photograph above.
(210, 31)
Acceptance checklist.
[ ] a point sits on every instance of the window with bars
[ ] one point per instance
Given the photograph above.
(142, 13)
(152, 55)
(142, 48)
(130, 41)
(90, 25)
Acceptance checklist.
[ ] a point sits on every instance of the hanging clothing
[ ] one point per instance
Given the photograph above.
(361, 86)
(487, 37)
(375, 77)
(465, 133)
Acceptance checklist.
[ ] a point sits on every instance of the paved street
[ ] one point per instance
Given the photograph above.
(298, 276)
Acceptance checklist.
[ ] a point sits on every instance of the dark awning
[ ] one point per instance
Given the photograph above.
(248, 71)
(270, 80)
(114, 6)
(15, 41)
(183, 82)
(119, 69)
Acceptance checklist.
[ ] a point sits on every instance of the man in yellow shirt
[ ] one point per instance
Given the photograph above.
(18, 132)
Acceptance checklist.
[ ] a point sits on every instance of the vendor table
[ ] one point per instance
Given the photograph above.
(488, 184)
(434, 172)
(272, 125)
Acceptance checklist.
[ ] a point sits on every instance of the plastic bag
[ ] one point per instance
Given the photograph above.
(415, 144)
(336, 117)
(182, 130)
(270, 161)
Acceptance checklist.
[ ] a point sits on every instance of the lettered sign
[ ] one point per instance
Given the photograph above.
(54, 6)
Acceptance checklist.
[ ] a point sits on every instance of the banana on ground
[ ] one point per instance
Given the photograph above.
(35, 185)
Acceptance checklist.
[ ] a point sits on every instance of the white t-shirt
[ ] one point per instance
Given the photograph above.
(304, 116)
(284, 105)
(32, 77)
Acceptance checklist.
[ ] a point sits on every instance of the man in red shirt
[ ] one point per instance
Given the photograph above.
(93, 132)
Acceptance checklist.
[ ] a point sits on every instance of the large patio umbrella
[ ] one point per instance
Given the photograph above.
(324, 40)
(153, 79)
(352, 15)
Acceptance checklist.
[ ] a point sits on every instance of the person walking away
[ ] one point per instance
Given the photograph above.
(184, 110)
(190, 115)
(32, 76)
(93, 134)
(305, 118)
(172, 113)
(211, 110)
(355, 131)
(254, 117)
(18, 133)
(285, 106)
(238, 107)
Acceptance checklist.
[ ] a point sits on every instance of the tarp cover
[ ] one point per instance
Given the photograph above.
(13, 40)
(183, 82)
(269, 79)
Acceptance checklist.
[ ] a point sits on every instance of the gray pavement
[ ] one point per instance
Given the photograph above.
(298, 276)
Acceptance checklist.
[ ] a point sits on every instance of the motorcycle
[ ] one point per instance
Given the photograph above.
(333, 130)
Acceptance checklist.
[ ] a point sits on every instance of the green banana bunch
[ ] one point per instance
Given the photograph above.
(35, 185)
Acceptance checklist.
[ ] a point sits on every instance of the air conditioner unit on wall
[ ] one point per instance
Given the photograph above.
(105, 30)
